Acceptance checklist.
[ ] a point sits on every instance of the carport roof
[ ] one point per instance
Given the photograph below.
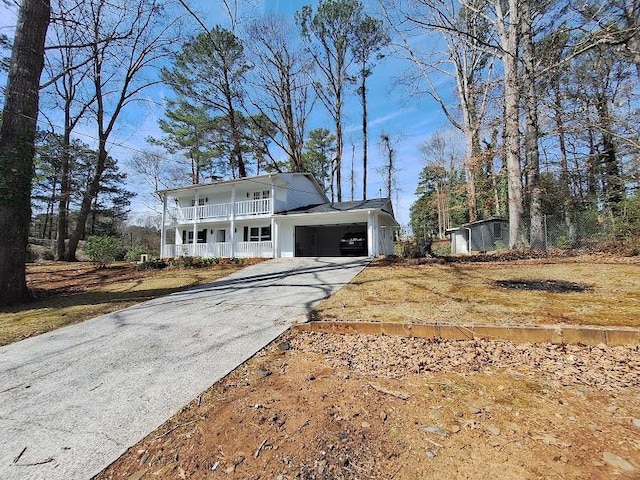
(382, 204)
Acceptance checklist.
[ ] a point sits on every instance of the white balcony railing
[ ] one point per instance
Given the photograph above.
(221, 211)
(220, 249)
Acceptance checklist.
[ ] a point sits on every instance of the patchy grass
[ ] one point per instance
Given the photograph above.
(68, 293)
(467, 293)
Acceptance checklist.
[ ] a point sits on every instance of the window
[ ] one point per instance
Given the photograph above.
(257, 234)
(187, 236)
(262, 194)
(497, 230)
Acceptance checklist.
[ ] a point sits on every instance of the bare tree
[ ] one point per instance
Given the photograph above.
(68, 69)
(468, 59)
(126, 42)
(157, 172)
(387, 146)
(531, 134)
(370, 36)
(281, 87)
(331, 27)
(17, 135)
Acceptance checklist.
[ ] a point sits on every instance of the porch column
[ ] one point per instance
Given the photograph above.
(233, 221)
(273, 198)
(195, 224)
(163, 234)
(274, 237)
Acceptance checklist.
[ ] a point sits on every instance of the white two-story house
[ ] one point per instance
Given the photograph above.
(269, 216)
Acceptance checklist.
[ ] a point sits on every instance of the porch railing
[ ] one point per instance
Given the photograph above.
(254, 249)
(220, 249)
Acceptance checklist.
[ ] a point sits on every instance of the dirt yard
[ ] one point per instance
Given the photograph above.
(322, 406)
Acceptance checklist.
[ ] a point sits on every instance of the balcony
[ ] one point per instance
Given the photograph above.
(221, 211)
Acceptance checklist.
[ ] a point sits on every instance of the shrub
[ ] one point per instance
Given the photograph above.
(155, 264)
(133, 254)
(103, 250)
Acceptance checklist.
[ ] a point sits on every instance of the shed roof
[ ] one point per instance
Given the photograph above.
(477, 222)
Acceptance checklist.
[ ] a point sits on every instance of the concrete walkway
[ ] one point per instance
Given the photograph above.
(73, 400)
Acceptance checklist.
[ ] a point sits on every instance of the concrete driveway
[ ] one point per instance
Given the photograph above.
(73, 400)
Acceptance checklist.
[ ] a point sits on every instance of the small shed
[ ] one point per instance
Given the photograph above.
(479, 236)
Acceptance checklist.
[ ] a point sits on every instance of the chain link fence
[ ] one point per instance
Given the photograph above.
(590, 230)
(587, 230)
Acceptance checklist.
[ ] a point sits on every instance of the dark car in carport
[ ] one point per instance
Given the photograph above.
(353, 243)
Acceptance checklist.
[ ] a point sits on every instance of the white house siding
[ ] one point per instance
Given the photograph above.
(308, 233)
(378, 228)
(301, 192)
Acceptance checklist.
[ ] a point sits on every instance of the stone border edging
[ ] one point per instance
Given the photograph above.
(568, 334)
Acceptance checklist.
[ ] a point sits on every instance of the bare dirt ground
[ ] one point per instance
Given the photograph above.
(322, 406)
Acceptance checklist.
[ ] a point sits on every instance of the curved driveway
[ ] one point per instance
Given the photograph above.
(73, 400)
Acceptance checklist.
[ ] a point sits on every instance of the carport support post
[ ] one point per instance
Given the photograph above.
(372, 236)
(163, 234)
(274, 236)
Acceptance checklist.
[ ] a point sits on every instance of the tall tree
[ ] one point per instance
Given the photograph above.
(468, 58)
(126, 41)
(67, 69)
(157, 172)
(370, 36)
(507, 22)
(536, 233)
(318, 154)
(387, 146)
(210, 71)
(188, 131)
(328, 32)
(17, 135)
(281, 89)
(441, 190)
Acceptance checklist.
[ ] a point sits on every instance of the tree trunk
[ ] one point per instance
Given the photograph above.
(85, 207)
(17, 136)
(613, 184)
(65, 192)
(537, 236)
(338, 160)
(510, 40)
(565, 178)
(365, 136)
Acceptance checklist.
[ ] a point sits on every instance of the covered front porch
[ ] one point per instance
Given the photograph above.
(235, 239)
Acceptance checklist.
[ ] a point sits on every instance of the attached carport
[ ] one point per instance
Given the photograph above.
(323, 240)
(315, 231)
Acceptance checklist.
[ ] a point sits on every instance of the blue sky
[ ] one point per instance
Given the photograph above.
(407, 120)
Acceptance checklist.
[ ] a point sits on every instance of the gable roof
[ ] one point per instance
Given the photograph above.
(381, 204)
